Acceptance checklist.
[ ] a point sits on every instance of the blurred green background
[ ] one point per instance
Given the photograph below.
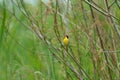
(31, 36)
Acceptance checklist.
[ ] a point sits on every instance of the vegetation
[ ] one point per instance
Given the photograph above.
(31, 41)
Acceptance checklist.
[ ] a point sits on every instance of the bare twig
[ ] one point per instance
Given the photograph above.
(100, 9)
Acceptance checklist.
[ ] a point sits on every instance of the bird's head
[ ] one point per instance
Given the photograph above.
(66, 36)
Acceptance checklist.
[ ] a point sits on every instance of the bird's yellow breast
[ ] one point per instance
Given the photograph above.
(66, 41)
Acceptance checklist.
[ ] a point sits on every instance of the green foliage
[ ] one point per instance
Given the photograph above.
(31, 46)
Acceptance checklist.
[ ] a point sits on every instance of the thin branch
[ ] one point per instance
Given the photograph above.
(111, 4)
(100, 9)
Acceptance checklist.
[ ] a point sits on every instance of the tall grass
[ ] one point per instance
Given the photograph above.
(31, 41)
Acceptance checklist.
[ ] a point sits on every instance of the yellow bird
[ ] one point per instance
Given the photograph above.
(66, 40)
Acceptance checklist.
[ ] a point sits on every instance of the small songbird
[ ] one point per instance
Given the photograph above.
(66, 40)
